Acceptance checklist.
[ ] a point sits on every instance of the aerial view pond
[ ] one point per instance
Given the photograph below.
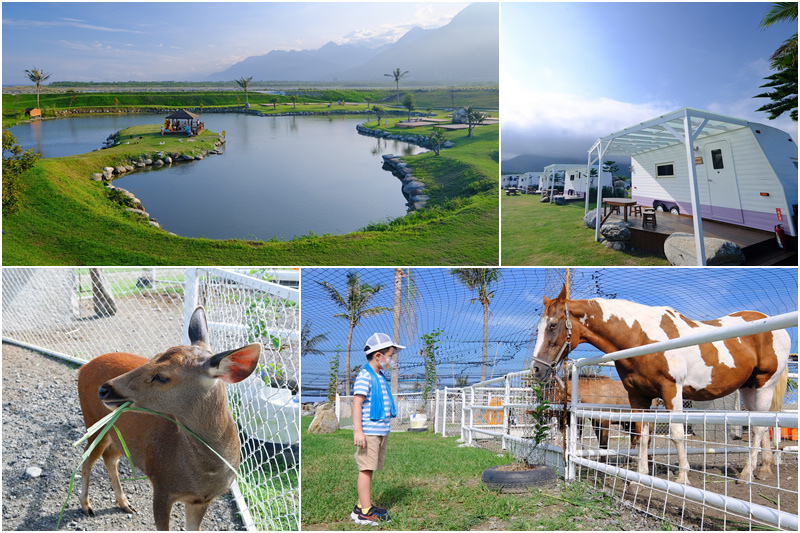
(278, 177)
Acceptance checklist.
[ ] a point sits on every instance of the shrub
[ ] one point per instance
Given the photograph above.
(15, 164)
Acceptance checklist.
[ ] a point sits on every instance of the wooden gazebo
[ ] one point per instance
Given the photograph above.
(182, 121)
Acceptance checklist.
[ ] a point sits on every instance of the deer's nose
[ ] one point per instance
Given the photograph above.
(103, 391)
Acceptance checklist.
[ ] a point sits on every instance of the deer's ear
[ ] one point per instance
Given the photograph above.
(198, 328)
(235, 365)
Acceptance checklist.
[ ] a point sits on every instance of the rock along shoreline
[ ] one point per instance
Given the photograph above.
(413, 189)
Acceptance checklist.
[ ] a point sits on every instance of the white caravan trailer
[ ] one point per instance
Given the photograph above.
(521, 181)
(729, 169)
(574, 177)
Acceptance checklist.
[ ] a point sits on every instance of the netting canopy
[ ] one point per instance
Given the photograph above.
(433, 299)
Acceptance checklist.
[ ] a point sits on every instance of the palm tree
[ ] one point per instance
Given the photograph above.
(274, 102)
(293, 98)
(405, 309)
(37, 76)
(784, 61)
(397, 75)
(244, 83)
(480, 280)
(354, 303)
(308, 342)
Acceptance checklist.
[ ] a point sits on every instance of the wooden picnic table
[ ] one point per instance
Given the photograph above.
(512, 190)
(609, 203)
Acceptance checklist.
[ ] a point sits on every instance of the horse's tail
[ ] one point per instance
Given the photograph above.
(780, 391)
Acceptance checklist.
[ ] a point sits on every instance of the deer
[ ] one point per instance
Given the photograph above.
(187, 384)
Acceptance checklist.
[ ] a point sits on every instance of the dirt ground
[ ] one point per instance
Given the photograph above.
(778, 492)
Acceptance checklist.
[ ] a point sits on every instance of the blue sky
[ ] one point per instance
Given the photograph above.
(444, 304)
(155, 41)
(573, 72)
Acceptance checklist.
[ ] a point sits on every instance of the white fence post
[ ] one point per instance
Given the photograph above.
(190, 299)
(338, 407)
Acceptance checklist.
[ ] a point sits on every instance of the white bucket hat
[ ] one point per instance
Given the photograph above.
(378, 342)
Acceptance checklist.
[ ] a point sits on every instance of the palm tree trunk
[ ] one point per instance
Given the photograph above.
(347, 361)
(485, 339)
(398, 291)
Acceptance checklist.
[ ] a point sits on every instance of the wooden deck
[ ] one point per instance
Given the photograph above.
(759, 247)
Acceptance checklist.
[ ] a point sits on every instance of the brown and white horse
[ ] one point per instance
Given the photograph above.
(756, 365)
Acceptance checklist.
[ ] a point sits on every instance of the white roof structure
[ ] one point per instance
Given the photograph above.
(683, 126)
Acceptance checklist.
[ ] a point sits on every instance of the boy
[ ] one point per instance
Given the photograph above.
(373, 400)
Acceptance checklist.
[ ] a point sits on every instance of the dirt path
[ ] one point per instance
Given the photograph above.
(41, 420)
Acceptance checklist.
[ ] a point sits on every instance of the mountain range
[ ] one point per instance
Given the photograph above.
(464, 51)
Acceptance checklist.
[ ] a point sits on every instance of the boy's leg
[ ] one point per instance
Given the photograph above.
(365, 489)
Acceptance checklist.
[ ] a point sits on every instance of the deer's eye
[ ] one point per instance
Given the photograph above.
(159, 378)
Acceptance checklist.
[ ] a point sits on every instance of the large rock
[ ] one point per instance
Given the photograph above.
(324, 421)
(616, 231)
(681, 251)
(590, 219)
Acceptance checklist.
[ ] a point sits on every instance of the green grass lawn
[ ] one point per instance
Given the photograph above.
(66, 219)
(541, 234)
(429, 483)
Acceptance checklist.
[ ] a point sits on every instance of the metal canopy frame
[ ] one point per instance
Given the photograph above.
(684, 126)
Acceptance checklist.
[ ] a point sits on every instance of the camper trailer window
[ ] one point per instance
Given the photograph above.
(665, 170)
(716, 159)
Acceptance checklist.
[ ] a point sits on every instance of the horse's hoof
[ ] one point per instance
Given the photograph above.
(765, 474)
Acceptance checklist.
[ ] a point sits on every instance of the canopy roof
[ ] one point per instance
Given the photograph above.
(666, 130)
(182, 115)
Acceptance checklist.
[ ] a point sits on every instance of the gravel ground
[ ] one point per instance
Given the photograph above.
(41, 419)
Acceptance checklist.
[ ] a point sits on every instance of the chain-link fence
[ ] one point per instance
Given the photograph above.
(78, 314)
(407, 405)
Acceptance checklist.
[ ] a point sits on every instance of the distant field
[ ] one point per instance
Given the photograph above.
(55, 101)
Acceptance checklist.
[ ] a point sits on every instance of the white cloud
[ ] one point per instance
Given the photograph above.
(537, 122)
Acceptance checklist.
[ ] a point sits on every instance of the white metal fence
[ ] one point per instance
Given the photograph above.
(78, 314)
(406, 404)
(496, 415)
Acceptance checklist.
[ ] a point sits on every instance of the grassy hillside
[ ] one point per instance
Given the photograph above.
(67, 219)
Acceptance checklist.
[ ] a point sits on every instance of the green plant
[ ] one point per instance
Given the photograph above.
(432, 343)
(15, 164)
(333, 373)
(539, 414)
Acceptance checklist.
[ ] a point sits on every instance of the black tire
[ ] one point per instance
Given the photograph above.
(518, 481)
(675, 210)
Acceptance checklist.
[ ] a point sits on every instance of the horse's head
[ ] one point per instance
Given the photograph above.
(554, 338)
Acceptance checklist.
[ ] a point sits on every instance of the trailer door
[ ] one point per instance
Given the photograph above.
(723, 187)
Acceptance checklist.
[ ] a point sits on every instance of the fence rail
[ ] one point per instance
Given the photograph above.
(496, 415)
(78, 314)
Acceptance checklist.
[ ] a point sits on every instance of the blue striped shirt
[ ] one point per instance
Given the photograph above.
(363, 387)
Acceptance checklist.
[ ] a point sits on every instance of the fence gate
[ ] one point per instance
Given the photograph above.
(78, 314)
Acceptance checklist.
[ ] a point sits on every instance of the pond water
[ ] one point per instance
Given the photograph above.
(278, 176)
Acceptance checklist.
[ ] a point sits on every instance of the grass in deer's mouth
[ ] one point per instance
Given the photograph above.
(104, 425)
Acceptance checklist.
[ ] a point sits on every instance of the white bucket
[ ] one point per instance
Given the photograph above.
(419, 421)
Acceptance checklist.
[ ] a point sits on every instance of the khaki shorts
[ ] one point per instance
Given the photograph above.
(371, 456)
